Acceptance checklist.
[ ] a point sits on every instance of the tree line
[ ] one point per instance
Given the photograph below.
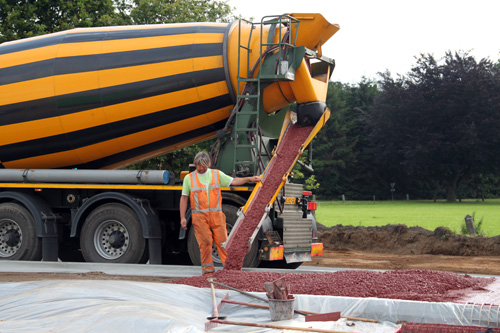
(431, 133)
(21, 19)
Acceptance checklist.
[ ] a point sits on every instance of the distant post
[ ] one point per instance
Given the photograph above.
(469, 223)
(392, 191)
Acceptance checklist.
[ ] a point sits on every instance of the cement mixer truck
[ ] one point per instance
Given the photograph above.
(78, 105)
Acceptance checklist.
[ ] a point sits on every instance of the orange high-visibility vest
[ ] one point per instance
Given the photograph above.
(198, 196)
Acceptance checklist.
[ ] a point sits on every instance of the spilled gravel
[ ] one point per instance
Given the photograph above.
(418, 285)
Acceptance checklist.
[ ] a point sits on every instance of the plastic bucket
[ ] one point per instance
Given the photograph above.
(281, 309)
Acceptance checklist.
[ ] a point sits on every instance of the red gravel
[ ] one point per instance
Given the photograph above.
(418, 285)
(442, 328)
(237, 246)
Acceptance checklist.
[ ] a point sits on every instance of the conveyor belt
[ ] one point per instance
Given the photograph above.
(289, 150)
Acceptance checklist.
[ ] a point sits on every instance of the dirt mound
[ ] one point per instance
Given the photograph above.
(399, 239)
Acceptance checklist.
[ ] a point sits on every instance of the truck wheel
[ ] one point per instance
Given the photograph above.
(112, 233)
(18, 239)
(251, 259)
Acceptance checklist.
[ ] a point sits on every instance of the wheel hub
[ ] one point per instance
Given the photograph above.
(117, 239)
(10, 238)
(111, 239)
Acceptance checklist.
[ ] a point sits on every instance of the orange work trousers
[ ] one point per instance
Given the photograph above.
(209, 228)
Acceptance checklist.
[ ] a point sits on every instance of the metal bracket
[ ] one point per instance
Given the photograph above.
(138, 176)
(257, 228)
(241, 216)
(25, 175)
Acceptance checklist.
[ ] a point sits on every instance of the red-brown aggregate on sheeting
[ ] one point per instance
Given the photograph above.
(443, 328)
(237, 246)
(418, 285)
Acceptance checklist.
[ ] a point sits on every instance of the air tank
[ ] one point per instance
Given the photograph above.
(103, 98)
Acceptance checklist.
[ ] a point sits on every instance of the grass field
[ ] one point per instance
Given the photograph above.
(425, 214)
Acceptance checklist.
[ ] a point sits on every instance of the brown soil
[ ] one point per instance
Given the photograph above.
(400, 247)
(401, 240)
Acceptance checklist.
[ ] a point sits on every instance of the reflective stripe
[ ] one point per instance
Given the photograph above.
(208, 210)
(219, 199)
(215, 176)
(196, 203)
(196, 188)
(207, 269)
(216, 186)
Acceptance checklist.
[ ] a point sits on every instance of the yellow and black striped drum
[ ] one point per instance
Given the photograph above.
(107, 97)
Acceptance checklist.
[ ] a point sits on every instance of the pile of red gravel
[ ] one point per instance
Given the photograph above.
(419, 285)
(237, 246)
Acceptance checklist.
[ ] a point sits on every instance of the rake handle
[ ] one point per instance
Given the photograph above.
(214, 299)
(279, 327)
(240, 291)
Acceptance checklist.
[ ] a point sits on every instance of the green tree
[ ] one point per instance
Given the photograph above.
(439, 123)
(21, 19)
(173, 11)
(175, 161)
(342, 164)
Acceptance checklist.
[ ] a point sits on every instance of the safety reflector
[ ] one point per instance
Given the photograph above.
(277, 252)
(307, 193)
(316, 249)
(311, 206)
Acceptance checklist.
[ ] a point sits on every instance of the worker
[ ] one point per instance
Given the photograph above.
(203, 189)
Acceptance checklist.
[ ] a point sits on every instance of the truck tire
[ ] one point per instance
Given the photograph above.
(18, 238)
(112, 233)
(251, 259)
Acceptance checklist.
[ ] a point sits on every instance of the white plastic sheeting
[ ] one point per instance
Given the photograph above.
(126, 306)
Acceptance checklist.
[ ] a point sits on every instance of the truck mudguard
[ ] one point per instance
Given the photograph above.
(45, 221)
(150, 223)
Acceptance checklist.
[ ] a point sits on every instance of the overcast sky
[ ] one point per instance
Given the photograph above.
(388, 34)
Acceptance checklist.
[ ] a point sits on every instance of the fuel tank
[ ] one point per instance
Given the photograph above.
(103, 98)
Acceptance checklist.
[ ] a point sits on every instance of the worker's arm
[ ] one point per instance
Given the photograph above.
(183, 205)
(244, 180)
